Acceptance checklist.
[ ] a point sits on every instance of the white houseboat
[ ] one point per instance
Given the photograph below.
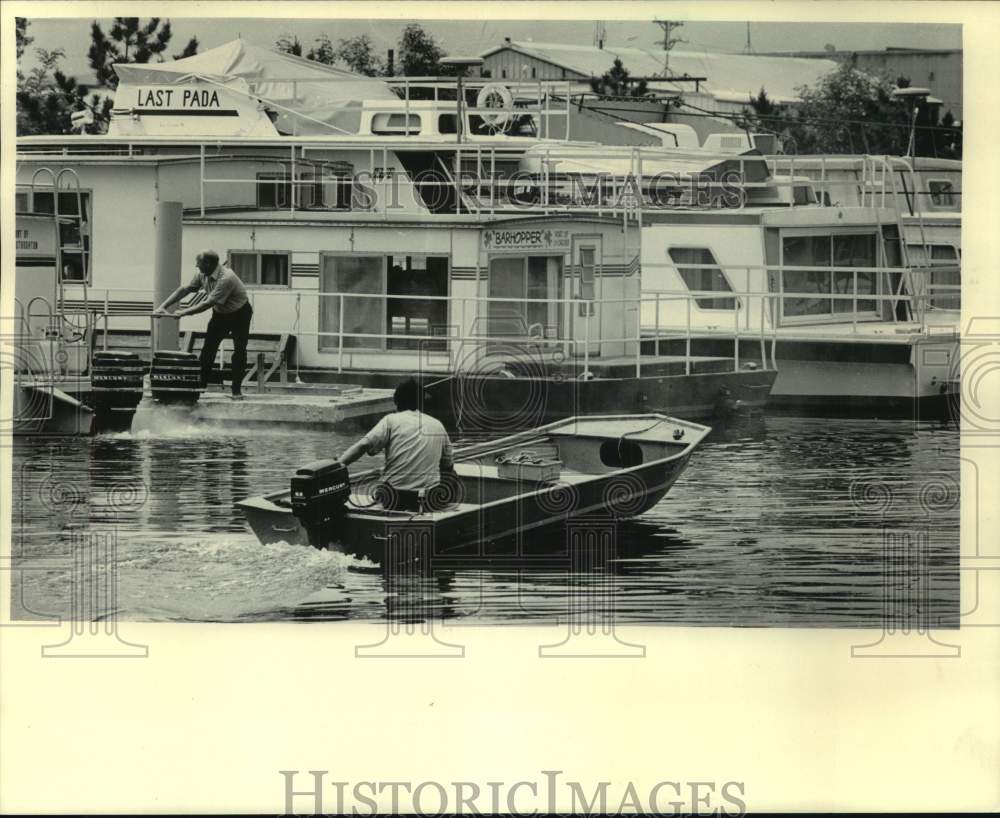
(395, 230)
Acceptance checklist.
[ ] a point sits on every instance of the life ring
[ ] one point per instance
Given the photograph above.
(496, 95)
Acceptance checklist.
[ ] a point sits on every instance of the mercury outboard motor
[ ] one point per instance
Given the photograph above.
(175, 377)
(116, 382)
(320, 491)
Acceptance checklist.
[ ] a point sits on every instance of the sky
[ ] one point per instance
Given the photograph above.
(474, 37)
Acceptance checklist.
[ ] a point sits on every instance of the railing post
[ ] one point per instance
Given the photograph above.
(656, 333)
(106, 322)
(340, 334)
(736, 335)
(260, 373)
(201, 177)
(854, 304)
(687, 337)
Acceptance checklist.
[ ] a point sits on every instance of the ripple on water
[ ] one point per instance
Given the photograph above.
(780, 522)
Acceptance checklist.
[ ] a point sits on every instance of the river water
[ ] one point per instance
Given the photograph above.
(777, 521)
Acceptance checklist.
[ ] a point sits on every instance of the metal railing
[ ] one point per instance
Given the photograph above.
(584, 336)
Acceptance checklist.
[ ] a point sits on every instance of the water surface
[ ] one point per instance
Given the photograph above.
(778, 521)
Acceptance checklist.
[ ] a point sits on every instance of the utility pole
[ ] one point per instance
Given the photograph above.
(668, 41)
(600, 34)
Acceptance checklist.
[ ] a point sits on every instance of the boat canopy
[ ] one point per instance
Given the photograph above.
(616, 161)
(308, 98)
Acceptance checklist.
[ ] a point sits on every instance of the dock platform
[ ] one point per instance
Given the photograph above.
(327, 406)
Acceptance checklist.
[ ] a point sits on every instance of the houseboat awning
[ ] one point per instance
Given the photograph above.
(606, 160)
(307, 97)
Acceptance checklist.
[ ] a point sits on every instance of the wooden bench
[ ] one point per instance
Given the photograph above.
(277, 349)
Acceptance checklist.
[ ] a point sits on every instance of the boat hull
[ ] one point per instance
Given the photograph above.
(493, 529)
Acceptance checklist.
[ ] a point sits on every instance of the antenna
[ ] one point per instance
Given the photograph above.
(668, 42)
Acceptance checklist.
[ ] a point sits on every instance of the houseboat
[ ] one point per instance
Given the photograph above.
(351, 215)
(408, 228)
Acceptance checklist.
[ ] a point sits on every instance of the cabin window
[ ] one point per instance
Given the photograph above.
(74, 228)
(392, 299)
(945, 272)
(942, 193)
(273, 191)
(261, 268)
(387, 124)
(448, 123)
(808, 293)
(702, 275)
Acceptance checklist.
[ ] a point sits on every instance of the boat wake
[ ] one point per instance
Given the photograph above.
(219, 578)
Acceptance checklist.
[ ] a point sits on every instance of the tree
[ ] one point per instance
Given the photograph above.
(47, 98)
(616, 82)
(764, 116)
(324, 52)
(289, 44)
(358, 53)
(419, 54)
(131, 42)
(850, 111)
(189, 50)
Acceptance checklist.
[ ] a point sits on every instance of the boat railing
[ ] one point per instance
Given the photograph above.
(635, 327)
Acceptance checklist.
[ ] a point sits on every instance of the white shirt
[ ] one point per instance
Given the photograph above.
(415, 446)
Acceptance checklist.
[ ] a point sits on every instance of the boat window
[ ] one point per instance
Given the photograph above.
(621, 453)
(74, 228)
(808, 292)
(448, 123)
(408, 298)
(942, 193)
(407, 314)
(389, 124)
(273, 191)
(702, 277)
(945, 277)
(893, 246)
(943, 252)
(260, 268)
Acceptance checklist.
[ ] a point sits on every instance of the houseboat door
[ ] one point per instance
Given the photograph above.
(530, 287)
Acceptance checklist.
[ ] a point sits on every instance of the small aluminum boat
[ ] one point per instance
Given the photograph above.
(610, 466)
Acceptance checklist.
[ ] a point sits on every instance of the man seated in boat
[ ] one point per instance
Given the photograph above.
(418, 454)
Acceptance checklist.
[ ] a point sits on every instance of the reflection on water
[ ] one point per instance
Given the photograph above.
(777, 522)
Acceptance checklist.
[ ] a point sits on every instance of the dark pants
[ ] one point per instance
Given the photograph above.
(235, 325)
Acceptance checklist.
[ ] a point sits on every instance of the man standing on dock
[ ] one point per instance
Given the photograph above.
(226, 296)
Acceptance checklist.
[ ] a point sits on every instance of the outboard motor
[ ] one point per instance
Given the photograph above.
(320, 491)
(175, 377)
(116, 381)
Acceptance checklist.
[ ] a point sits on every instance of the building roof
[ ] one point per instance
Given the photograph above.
(729, 76)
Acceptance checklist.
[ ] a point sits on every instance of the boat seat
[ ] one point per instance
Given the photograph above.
(492, 472)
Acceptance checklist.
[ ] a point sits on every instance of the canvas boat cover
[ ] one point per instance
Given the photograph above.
(309, 98)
